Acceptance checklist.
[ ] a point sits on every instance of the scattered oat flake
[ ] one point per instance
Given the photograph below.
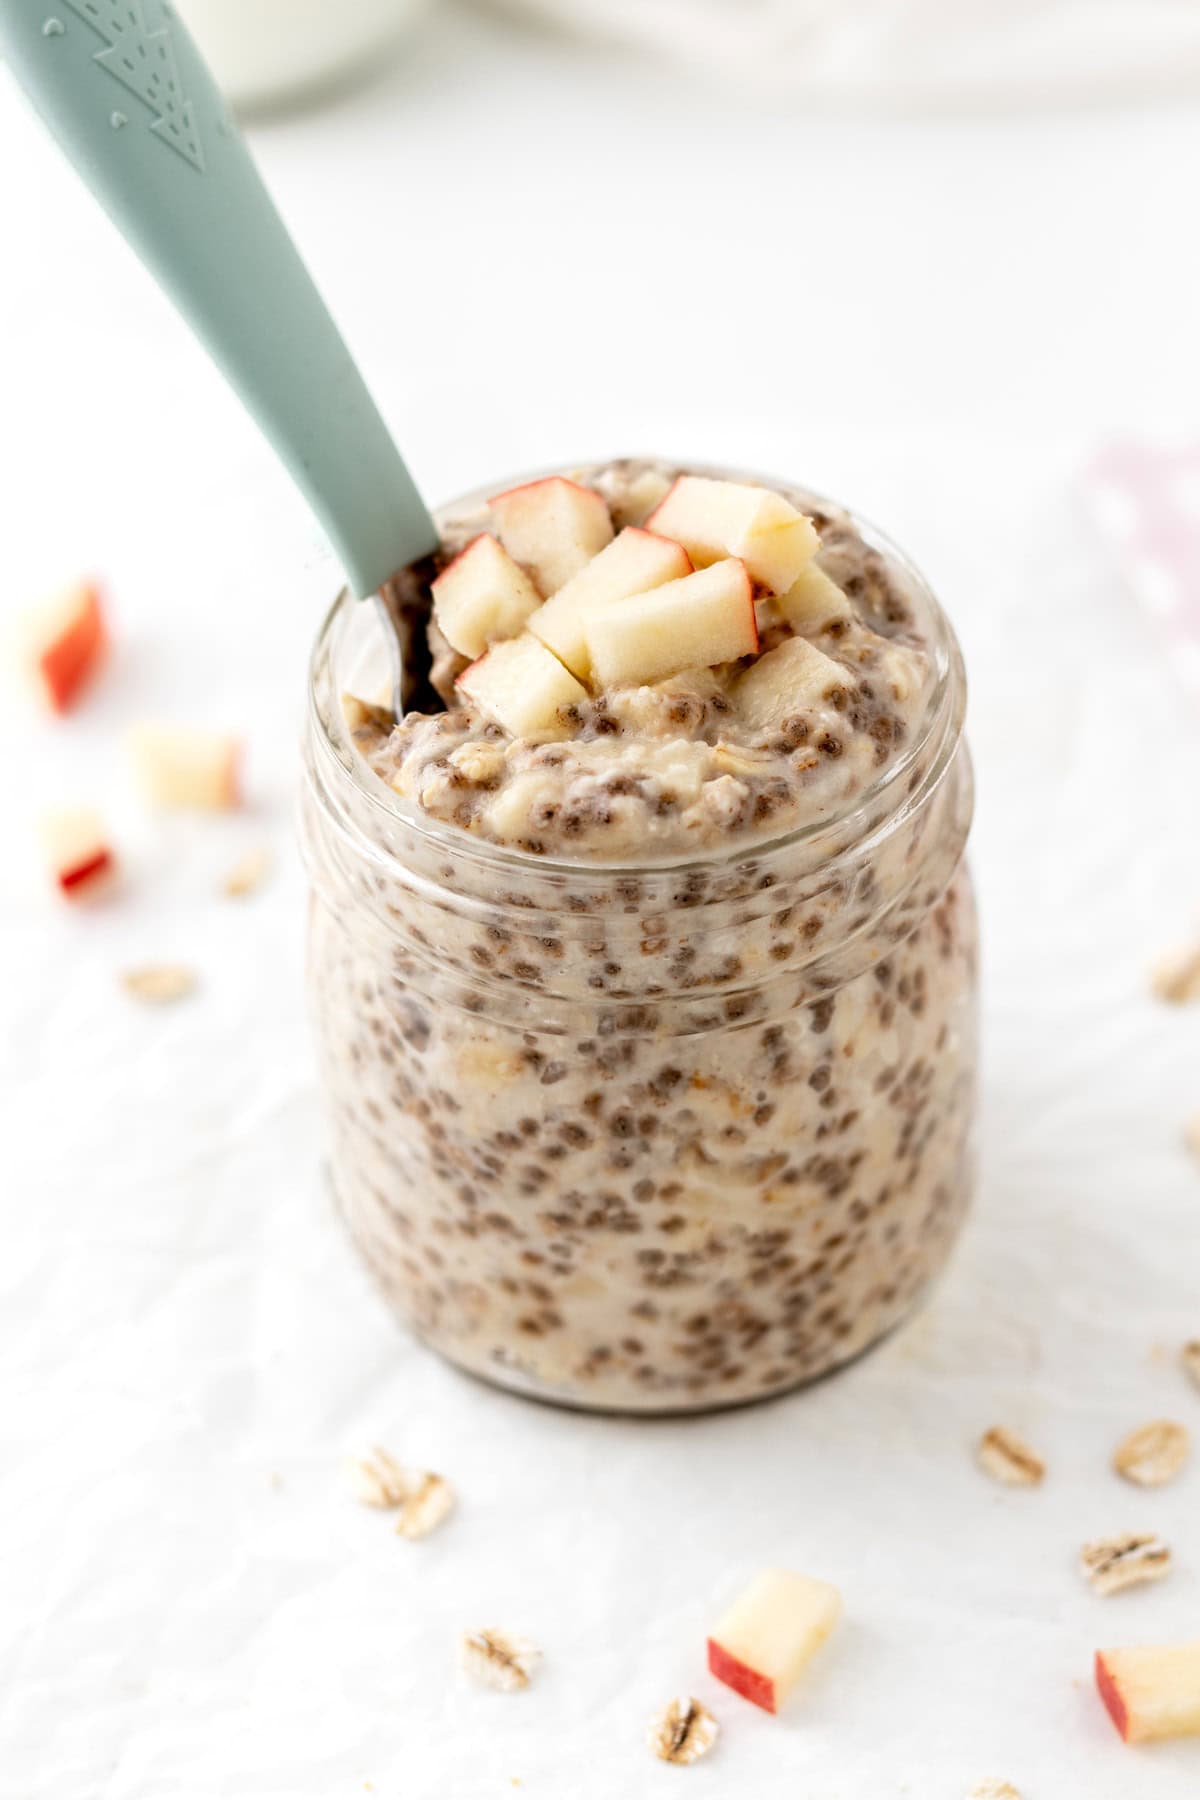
(1152, 1455)
(377, 1480)
(1128, 1560)
(682, 1732)
(1007, 1458)
(428, 1501)
(498, 1659)
(1176, 978)
(159, 983)
(248, 873)
(1189, 1356)
(993, 1790)
(1191, 1135)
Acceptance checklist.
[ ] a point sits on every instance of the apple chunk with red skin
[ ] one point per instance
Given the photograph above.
(704, 619)
(79, 856)
(180, 767)
(66, 641)
(633, 563)
(1152, 1691)
(552, 527)
(482, 596)
(714, 519)
(522, 687)
(771, 1633)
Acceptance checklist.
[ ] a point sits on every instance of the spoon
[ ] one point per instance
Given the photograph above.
(123, 88)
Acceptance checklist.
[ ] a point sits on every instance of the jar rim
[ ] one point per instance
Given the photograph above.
(944, 711)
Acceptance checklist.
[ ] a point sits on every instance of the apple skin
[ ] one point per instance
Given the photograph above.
(753, 617)
(67, 662)
(759, 1689)
(549, 481)
(79, 858)
(552, 528)
(641, 559)
(714, 519)
(500, 605)
(72, 880)
(1107, 1688)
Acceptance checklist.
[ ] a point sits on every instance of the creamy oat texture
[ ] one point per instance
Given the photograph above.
(667, 1134)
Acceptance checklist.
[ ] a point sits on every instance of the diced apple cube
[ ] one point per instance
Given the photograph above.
(1151, 1691)
(814, 599)
(784, 681)
(78, 854)
(522, 687)
(770, 1634)
(552, 527)
(482, 597)
(713, 519)
(66, 640)
(697, 622)
(183, 768)
(633, 563)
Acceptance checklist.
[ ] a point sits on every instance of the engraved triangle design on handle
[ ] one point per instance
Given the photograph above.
(141, 57)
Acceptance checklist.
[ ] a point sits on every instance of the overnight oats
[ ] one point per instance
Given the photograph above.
(642, 947)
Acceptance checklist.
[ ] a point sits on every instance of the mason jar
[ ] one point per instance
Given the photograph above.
(651, 1138)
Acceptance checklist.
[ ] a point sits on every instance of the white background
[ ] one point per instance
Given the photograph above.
(537, 253)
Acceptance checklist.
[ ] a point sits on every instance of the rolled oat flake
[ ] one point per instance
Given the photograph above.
(682, 1732)
(993, 1790)
(498, 1659)
(1127, 1560)
(159, 983)
(1176, 978)
(1152, 1455)
(428, 1502)
(247, 874)
(1189, 1356)
(1009, 1459)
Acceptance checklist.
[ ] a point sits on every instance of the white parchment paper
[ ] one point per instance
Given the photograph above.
(190, 1606)
(193, 1607)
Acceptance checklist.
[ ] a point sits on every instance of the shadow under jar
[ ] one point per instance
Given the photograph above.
(653, 1138)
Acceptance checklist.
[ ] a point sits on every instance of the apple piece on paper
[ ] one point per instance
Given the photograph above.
(183, 768)
(714, 519)
(552, 528)
(771, 1633)
(1152, 1691)
(482, 597)
(634, 562)
(794, 675)
(701, 620)
(814, 599)
(66, 640)
(78, 854)
(522, 687)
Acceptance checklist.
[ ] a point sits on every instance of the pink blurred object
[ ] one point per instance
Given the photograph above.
(1146, 499)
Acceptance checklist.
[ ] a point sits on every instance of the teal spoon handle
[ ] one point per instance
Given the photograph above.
(125, 91)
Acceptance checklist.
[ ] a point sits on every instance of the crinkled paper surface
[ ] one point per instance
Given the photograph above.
(191, 1606)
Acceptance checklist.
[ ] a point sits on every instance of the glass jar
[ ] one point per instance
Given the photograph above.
(653, 1138)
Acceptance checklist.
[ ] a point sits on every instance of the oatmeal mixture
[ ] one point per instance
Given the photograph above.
(675, 766)
(645, 993)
